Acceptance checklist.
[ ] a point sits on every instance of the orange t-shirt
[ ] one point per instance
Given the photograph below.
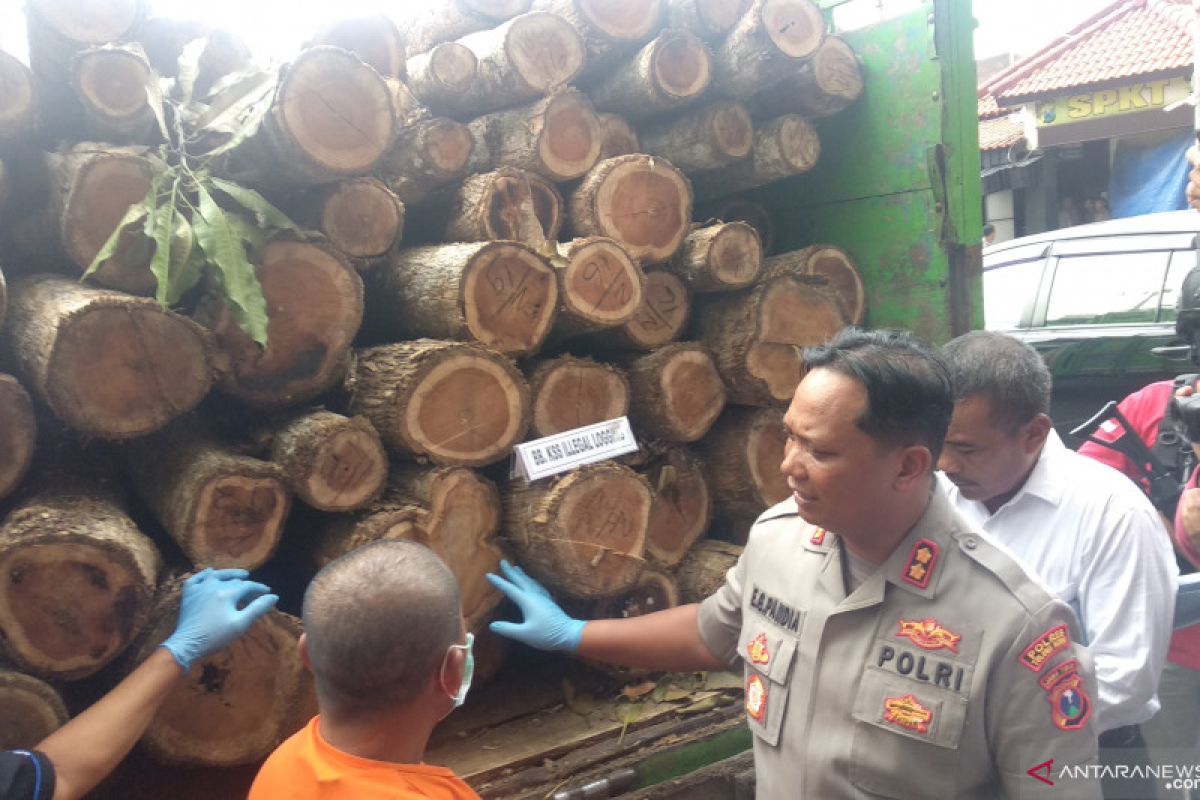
(306, 767)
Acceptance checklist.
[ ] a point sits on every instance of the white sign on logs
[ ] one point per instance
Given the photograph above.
(551, 455)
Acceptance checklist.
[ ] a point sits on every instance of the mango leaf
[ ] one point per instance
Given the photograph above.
(137, 213)
(241, 118)
(189, 69)
(627, 713)
(723, 680)
(224, 249)
(163, 219)
(187, 260)
(264, 213)
(154, 99)
(635, 691)
(252, 236)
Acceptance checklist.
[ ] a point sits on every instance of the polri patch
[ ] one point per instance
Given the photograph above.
(1070, 707)
(918, 571)
(1059, 672)
(756, 698)
(1044, 647)
(757, 650)
(908, 713)
(818, 537)
(929, 634)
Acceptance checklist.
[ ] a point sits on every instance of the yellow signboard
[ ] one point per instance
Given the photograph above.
(1137, 97)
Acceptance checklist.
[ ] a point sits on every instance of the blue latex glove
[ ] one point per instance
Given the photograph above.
(546, 626)
(218, 606)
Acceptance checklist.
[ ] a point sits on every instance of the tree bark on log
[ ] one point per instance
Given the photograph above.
(783, 147)
(30, 710)
(18, 104)
(78, 579)
(599, 286)
(374, 38)
(617, 137)
(570, 393)
(582, 533)
(703, 570)
(557, 137)
(825, 85)
(500, 294)
(756, 335)
(611, 29)
(510, 204)
(331, 117)
(331, 462)
(314, 309)
(529, 56)
(426, 155)
(670, 72)
(644, 203)
(418, 393)
(739, 209)
(676, 393)
(706, 138)
(682, 506)
(720, 258)
(18, 434)
(223, 509)
(767, 44)
(711, 20)
(361, 217)
(661, 318)
(72, 345)
(114, 86)
(445, 22)
(828, 262)
(235, 706)
(742, 455)
(443, 74)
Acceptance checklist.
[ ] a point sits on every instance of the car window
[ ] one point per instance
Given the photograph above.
(1107, 289)
(1008, 291)
(1181, 262)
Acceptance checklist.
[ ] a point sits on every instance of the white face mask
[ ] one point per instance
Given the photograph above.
(468, 668)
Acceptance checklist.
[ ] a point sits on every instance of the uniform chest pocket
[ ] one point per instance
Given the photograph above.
(906, 737)
(767, 654)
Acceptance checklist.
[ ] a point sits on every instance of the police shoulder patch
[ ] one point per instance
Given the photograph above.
(1035, 655)
(1070, 706)
(918, 570)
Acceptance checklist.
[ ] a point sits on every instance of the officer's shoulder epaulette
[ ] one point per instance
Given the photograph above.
(781, 510)
(1022, 584)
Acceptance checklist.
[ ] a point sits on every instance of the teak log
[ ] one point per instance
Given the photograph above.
(654, 591)
(828, 262)
(331, 462)
(426, 155)
(720, 258)
(222, 508)
(30, 710)
(557, 137)
(783, 147)
(222, 52)
(314, 308)
(617, 137)
(610, 28)
(711, 136)
(114, 87)
(330, 117)
(76, 581)
(702, 571)
(373, 38)
(756, 335)
(825, 85)
(507, 203)
(643, 202)
(445, 22)
(670, 72)
(107, 364)
(740, 209)
(676, 392)
(417, 395)
(599, 286)
(500, 294)
(661, 317)
(682, 506)
(582, 533)
(18, 106)
(742, 455)
(361, 217)
(768, 43)
(18, 434)
(442, 75)
(711, 20)
(569, 393)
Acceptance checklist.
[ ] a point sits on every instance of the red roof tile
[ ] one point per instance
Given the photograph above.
(1128, 39)
(987, 107)
(999, 134)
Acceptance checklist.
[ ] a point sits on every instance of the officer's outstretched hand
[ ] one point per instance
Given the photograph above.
(218, 606)
(546, 626)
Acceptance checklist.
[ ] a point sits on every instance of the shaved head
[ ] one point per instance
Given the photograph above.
(378, 621)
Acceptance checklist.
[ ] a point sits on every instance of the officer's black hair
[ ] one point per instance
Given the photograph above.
(1008, 372)
(989, 229)
(378, 622)
(908, 386)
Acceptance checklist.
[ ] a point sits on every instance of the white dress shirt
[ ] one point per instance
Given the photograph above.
(1094, 539)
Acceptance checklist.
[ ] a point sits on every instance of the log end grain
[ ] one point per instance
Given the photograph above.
(88, 23)
(654, 591)
(30, 710)
(18, 433)
(102, 190)
(677, 393)
(703, 571)
(681, 510)
(600, 286)
(712, 19)
(333, 463)
(794, 316)
(362, 218)
(544, 50)
(238, 520)
(375, 39)
(681, 65)
(569, 143)
(795, 27)
(621, 20)
(570, 393)
(837, 76)
(447, 70)
(838, 268)
(663, 314)
(618, 138)
(113, 82)
(509, 298)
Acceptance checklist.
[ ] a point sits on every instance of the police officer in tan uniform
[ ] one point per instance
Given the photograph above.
(888, 649)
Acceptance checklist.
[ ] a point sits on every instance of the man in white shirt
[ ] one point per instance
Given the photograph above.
(1091, 536)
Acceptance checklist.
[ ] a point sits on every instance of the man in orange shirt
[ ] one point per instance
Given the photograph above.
(384, 638)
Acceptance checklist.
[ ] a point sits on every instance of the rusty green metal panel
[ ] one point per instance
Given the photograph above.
(897, 184)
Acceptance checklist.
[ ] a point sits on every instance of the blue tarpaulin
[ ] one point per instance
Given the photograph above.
(1149, 175)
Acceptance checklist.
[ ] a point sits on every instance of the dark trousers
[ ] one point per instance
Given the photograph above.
(1125, 747)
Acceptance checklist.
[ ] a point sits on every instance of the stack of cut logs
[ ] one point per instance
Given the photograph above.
(505, 248)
